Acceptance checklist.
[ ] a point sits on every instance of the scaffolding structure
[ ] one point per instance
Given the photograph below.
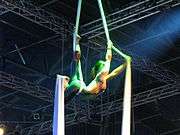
(112, 107)
(35, 14)
(128, 15)
(82, 112)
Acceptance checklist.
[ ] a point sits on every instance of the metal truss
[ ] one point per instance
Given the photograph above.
(41, 128)
(13, 106)
(19, 84)
(128, 15)
(79, 111)
(105, 109)
(148, 67)
(42, 17)
(37, 15)
(3, 10)
(135, 12)
(82, 113)
(146, 97)
(175, 131)
(44, 127)
(122, 16)
(151, 69)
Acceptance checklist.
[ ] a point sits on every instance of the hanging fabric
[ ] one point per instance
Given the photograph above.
(126, 117)
(77, 24)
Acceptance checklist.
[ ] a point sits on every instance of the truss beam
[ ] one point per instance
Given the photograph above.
(134, 12)
(140, 10)
(19, 84)
(110, 107)
(37, 15)
(147, 67)
(140, 99)
(42, 17)
(3, 10)
(151, 69)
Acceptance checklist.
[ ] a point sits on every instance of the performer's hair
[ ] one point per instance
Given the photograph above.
(97, 68)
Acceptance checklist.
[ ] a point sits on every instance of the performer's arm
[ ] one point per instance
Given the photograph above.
(116, 71)
(119, 69)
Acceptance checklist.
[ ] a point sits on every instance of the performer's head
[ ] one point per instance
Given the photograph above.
(97, 68)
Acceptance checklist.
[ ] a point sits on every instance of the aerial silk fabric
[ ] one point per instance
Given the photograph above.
(77, 25)
(58, 118)
(126, 118)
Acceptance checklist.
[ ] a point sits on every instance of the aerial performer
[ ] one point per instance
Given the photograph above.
(100, 74)
(101, 70)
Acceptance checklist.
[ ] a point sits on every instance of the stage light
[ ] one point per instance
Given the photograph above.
(1, 131)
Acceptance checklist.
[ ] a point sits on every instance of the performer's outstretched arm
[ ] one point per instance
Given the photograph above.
(119, 69)
(116, 71)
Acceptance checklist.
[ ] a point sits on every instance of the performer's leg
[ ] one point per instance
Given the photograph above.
(77, 55)
(69, 96)
(78, 72)
(75, 84)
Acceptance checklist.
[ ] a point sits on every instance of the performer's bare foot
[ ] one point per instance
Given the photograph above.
(66, 81)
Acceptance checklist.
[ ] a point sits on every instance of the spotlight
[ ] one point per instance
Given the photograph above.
(1, 131)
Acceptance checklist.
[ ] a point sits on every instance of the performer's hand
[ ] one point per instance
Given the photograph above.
(78, 38)
(110, 44)
(128, 58)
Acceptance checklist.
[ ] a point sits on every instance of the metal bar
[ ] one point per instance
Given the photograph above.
(171, 132)
(126, 16)
(20, 54)
(48, 3)
(10, 81)
(37, 15)
(7, 95)
(138, 100)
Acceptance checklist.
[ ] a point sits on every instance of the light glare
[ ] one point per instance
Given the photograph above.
(1, 131)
